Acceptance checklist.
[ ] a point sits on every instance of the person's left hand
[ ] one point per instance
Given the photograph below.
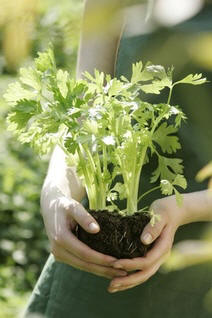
(162, 234)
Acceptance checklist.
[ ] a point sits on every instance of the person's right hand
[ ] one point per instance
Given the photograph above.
(61, 215)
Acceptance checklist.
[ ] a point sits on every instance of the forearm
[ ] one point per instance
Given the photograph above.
(197, 207)
(100, 36)
(61, 179)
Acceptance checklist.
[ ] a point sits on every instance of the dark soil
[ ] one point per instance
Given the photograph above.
(118, 236)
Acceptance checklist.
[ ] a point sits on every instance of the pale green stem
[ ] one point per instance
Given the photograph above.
(88, 184)
(132, 196)
(149, 191)
(170, 95)
(102, 191)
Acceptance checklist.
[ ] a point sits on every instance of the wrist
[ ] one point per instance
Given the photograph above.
(197, 207)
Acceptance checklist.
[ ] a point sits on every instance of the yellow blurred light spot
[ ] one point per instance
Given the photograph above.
(17, 17)
(200, 48)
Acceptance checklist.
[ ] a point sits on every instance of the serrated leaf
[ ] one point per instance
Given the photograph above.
(21, 113)
(17, 120)
(99, 77)
(166, 187)
(161, 136)
(30, 77)
(136, 72)
(153, 88)
(167, 169)
(115, 87)
(45, 61)
(16, 92)
(91, 127)
(194, 79)
(180, 181)
(156, 71)
(62, 80)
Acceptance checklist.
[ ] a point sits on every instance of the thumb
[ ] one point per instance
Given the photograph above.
(152, 232)
(80, 215)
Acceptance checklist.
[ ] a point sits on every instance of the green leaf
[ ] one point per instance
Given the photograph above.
(62, 80)
(166, 187)
(99, 77)
(156, 71)
(16, 92)
(153, 88)
(31, 78)
(91, 127)
(194, 79)
(17, 120)
(167, 169)
(161, 136)
(180, 181)
(136, 72)
(115, 87)
(45, 61)
(21, 114)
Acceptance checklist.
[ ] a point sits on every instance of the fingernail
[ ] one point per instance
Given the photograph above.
(147, 238)
(93, 227)
(115, 286)
(113, 290)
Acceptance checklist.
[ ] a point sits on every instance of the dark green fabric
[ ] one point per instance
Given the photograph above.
(63, 291)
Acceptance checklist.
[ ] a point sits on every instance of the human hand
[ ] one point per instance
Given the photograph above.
(162, 234)
(61, 215)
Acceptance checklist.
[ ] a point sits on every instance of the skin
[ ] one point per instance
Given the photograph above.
(62, 190)
(197, 206)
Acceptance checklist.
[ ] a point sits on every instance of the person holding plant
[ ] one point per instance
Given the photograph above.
(67, 286)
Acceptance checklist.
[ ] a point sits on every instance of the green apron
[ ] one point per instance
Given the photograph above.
(63, 291)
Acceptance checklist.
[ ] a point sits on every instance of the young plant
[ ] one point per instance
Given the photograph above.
(104, 126)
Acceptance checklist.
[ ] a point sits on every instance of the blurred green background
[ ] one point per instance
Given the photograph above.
(25, 28)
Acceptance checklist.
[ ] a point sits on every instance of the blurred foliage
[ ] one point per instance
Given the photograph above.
(25, 28)
(204, 173)
(28, 26)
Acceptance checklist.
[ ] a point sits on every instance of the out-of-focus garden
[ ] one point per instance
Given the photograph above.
(27, 27)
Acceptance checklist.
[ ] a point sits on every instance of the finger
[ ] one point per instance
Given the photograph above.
(113, 290)
(71, 243)
(80, 215)
(137, 263)
(63, 256)
(161, 247)
(159, 250)
(151, 233)
(132, 280)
